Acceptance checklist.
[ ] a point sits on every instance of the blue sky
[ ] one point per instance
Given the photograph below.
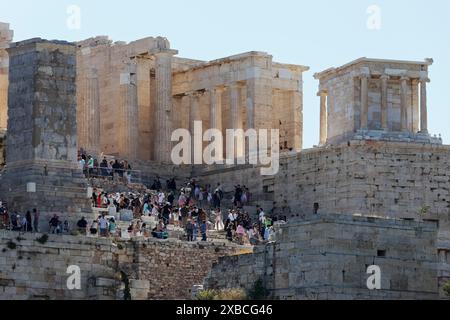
(319, 33)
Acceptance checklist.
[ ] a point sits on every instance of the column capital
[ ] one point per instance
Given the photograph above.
(237, 85)
(425, 80)
(364, 75)
(385, 77)
(322, 93)
(405, 78)
(218, 89)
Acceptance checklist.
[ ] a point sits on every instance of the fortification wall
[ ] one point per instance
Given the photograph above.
(154, 269)
(327, 256)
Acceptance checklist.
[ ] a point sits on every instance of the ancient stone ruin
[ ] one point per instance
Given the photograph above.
(41, 147)
(376, 191)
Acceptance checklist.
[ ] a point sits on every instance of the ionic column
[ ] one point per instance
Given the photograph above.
(163, 125)
(92, 113)
(323, 117)
(423, 105)
(415, 113)
(130, 131)
(216, 109)
(404, 104)
(364, 102)
(384, 102)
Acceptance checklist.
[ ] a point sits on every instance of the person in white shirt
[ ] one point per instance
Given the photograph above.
(161, 198)
(262, 216)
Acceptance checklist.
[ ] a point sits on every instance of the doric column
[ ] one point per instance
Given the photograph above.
(163, 125)
(236, 116)
(194, 115)
(130, 113)
(364, 102)
(235, 102)
(251, 92)
(404, 104)
(323, 117)
(384, 102)
(423, 105)
(92, 113)
(216, 108)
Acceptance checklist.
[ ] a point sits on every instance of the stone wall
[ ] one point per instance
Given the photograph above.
(400, 180)
(41, 157)
(327, 256)
(154, 269)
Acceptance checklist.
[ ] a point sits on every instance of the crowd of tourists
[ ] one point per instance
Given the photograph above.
(193, 208)
(19, 222)
(112, 169)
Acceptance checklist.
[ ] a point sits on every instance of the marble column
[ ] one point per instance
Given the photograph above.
(130, 113)
(384, 102)
(216, 108)
(235, 102)
(423, 105)
(194, 115)
(91, 124)
(415, 111)
(323, 117)
(251, 100)
(163, 116)
(236, 116)
(364, 102)
(404, 104)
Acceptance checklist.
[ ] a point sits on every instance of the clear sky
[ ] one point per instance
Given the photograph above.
(319, 34)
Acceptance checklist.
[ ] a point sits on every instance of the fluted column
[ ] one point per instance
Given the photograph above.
(364, 102)
(323, 117)
(236, 116)
(235, 101)
(92, 113)
(194, 115)
(216, 108)
(130, 114)
(384, 102)
(423, 105)
(163, 124)
(404, 103)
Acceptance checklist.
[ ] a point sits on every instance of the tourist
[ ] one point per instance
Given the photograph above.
(103, 225)
(94, 228)
(29, 223)
(218, 225)
(66, 227)
(36, 220)
(203, 230)
(82, 225)
(229, 230)
(195, 230)
(90, 165)
(112, 227)
(54, 223)
(190, 230)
